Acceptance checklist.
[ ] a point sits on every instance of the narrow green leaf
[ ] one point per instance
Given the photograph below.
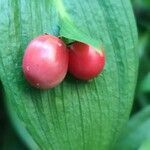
(145, 145)
(137, 133)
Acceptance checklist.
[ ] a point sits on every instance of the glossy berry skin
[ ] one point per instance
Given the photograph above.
(85, 62)
(45, 61)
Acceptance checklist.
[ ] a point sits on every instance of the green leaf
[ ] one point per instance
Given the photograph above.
(137, 133)
(75, 115)
(145, 145)
(142, 3)
(145, 85)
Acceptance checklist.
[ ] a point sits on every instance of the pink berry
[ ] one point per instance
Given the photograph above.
(45, 61)
(85, 62)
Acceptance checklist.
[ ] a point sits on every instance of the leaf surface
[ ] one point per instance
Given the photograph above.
(137, 134)
(75, 115)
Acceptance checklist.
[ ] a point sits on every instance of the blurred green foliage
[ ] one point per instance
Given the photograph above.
(136, 135)
(142, 13)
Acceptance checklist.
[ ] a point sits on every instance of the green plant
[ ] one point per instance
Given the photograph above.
(74, 115)
(136, 136)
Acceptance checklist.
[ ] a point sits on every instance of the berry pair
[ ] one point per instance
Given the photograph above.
(47, 60)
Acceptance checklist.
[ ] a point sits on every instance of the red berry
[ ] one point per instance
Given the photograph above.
(85, 62)
(45, 61)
